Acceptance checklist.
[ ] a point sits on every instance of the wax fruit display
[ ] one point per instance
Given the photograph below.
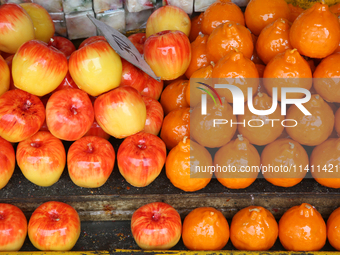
(141, 158)
(182, 162)
(253, 228)
(325, 162)
(205, 228)
(13, 228)
(54, 226)
(4, 76)
(332, 229)
(7, 162)
(241, 159)
(173, 96)
(284, 153)
(292, 227)
(90, 161)
(154, 115)
(156, 226)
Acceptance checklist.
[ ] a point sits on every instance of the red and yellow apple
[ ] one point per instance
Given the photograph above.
(42, 21)
(152, 87)
(141, 158)
(69, 114)
(156, 226)
(54, 226)
(7, 162)
(154, 115)
(9, 60)
(16, 27)
(64, 45)
(67, 83)
(96, 130)
(90, 161)
(38, 68)
(168, 18)
(96, 68)
(120, 112)
(41, 158)
(21, 115)
(91, 40)
(138, 41)
(168, 53)
(4, 76)
(13, 228)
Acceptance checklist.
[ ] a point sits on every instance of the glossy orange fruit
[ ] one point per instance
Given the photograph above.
(227, 37)
(335, 8)
(176, 125)
(327, 78)
(311, 129)
(284, 69)
(253, 228)
(192, 94)
(195, 27)
(205, 228)
(255, 57)
(260, 68)
(302, 228)
(180, 166)
(333, 229)
(260, 13)
(273, 39)
(295, 11)
(237, 164)
(204, 128)
(236, 65)
(173, 96)
(316, 32)
(220, 12)
(325, 163)
(337, 122)
(199, 55)
(259, 129)
(290, 160)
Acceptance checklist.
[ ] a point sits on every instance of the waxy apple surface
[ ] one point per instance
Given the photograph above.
(69, 114)
(91, 40)
(96, 130)
(38, 68)
(141, 158)
(54, 226)
(42, 21)
(21, 115)
(4, 76)
(156, 226)
(96, 68)
(90, 161)
(120, 112)
(154, 115)
(13, 228)
(138, 41)
(7, 162)
(64, 45)
(168, 53)
(16, 27)
(41, 158)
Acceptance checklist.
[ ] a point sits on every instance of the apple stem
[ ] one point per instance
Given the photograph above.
(185, 139)
(90, 147)
(27, 105)
(254, 209)
(212, 63)
(50, 43)
(293, 50)
(260, 94)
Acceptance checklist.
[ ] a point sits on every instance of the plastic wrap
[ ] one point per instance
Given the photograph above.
(105, 5)
(77, 5)
(185, 5)
(114, 18)
(59, 23)
(139, 5)
(51, 5)
(79, 25)
(136, 20)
